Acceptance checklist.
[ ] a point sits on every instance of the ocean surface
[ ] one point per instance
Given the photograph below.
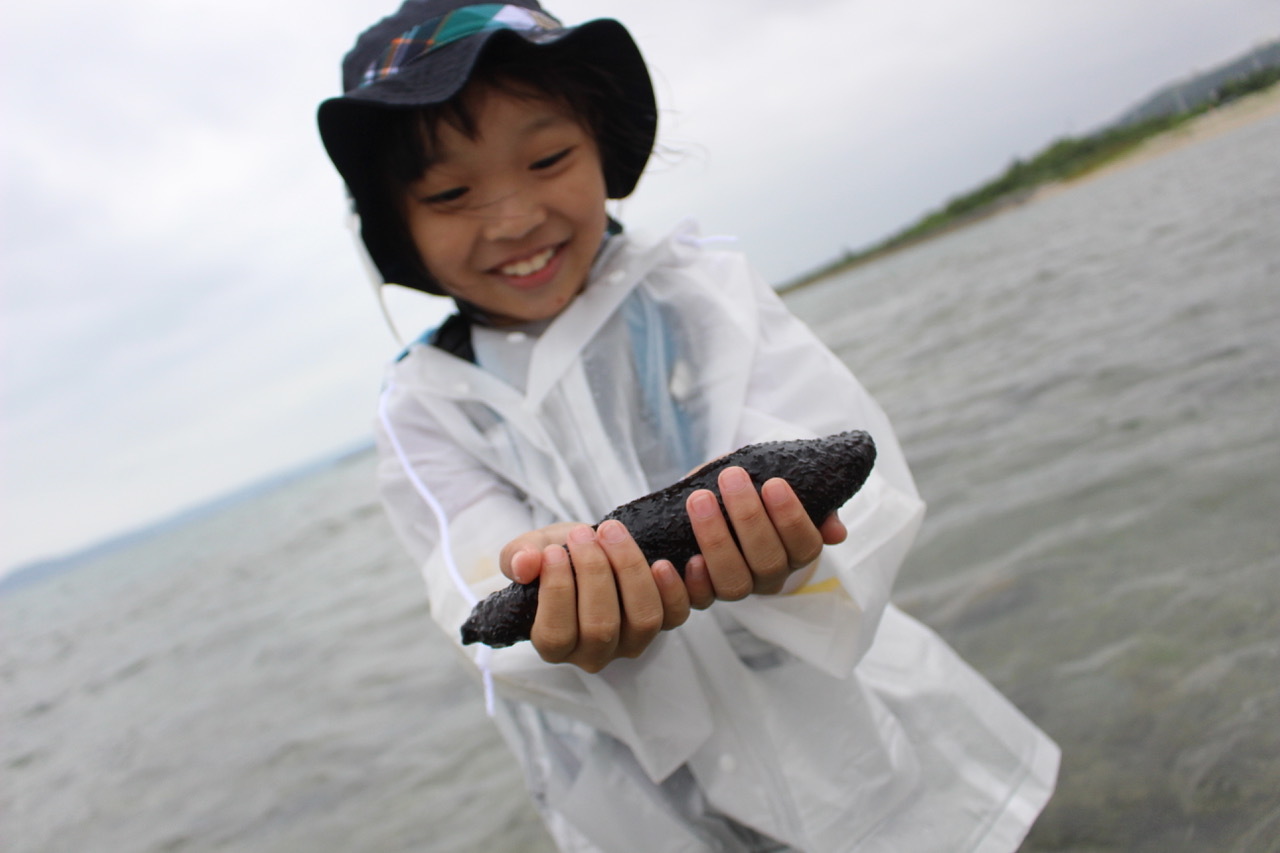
(1088, 389)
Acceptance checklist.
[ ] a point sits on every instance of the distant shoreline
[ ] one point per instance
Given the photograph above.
(1205, 125)
(25, 572)
(1215, 122)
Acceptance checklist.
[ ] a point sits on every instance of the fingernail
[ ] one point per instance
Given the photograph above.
(518, 571)
(776, 491)
(582, 534)
(702, 504)
(695, 569)
(612, 532)
(734, 480)
(554, 554)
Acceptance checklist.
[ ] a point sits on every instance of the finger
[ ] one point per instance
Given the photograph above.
(525, 565)
(697, 583)
(522, 555)
(758, 540)
(801, 540)
(730, 575)
(833, 530)
(674, 595)
(640, 603)
(599, 619)
(555, 624)
(521, 558)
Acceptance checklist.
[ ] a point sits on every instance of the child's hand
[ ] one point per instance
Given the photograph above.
(774, 538)
(609, 603)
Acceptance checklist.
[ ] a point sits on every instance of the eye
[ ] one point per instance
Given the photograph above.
(548, 162)
(446, 197)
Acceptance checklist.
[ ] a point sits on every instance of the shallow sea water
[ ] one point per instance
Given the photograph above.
(1088, 389)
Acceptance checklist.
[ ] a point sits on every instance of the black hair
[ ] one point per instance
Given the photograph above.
(405, 140)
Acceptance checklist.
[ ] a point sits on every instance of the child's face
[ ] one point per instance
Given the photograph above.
(511, 220)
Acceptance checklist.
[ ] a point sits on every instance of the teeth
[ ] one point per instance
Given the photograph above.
(530, 265)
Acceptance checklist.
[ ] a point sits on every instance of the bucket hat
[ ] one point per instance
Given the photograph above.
(424, 54)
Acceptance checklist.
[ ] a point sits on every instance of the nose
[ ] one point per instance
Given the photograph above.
(513, 216)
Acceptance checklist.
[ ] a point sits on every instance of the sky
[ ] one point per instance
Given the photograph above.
(183, 311)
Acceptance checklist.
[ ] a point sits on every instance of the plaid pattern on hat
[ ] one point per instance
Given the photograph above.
(450, 27)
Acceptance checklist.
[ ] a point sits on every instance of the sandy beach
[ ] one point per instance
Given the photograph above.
(1224, 119)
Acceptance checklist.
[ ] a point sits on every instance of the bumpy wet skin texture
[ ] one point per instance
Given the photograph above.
(823, 472)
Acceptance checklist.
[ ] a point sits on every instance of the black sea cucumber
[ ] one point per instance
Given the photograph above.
(823, 472)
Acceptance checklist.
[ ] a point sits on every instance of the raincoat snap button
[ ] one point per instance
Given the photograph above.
(682, 382)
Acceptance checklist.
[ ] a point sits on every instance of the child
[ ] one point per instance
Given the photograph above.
(772, 699)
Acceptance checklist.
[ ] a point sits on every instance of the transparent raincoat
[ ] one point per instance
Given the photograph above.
(821, 720)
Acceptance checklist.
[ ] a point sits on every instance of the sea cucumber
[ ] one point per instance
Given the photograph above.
(823, 472)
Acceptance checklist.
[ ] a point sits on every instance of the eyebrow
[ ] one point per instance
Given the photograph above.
(544, 121)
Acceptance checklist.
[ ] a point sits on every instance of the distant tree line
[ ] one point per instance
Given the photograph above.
(1062, 160)
(1255, 82)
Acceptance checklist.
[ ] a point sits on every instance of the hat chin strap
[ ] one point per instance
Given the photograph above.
(375, 277)
(386, 315)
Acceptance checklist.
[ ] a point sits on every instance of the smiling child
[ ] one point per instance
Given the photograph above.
(765, 696)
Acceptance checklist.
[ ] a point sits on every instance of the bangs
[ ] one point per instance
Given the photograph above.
(411, 143)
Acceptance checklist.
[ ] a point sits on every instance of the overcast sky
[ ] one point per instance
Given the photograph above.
(183, 310)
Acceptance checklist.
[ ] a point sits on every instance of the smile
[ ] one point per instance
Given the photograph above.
(530, 265)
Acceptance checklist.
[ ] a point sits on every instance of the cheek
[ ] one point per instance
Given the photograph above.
(588, 197)
(439, 245)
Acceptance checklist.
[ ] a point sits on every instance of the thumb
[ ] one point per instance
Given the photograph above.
(521, 559)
